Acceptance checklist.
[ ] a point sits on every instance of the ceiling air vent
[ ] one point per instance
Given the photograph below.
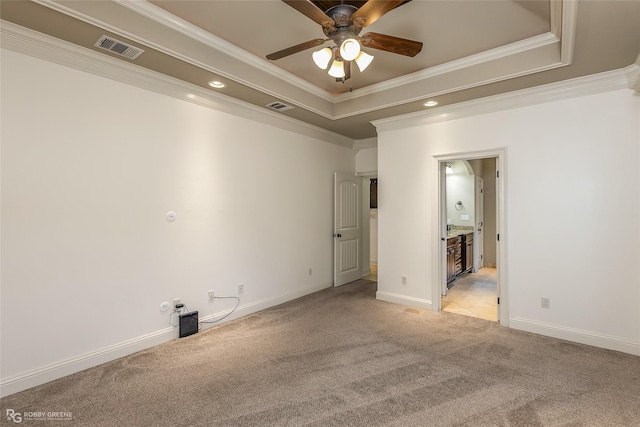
(118, 47)
(279, 106)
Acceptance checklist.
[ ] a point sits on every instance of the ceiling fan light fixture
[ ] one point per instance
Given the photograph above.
(322, 57)
(363, 60)
(349, 49)
(337, 69)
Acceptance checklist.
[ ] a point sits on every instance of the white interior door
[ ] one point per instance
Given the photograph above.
(478, 238)
(347, 234)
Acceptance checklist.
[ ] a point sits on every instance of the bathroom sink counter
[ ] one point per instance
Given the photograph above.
(458, 230)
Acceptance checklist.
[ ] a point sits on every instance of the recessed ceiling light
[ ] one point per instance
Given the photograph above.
(216, 84)
(431, 103)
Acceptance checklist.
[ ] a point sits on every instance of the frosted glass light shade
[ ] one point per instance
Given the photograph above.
(349, 49)
(363, 60)
(337, 69)
(322, 57)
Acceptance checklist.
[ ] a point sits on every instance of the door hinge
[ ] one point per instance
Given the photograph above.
(498, 300)
(497, 174)
(498, 235)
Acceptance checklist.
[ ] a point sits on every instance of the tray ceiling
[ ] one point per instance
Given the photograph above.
(471, 49)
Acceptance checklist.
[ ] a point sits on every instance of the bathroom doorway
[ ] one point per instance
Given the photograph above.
(469, 218)
(373, 230)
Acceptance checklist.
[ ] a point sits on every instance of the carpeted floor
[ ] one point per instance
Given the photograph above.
(341, 358)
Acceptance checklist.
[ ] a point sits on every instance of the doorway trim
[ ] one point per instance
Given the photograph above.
(438, 226)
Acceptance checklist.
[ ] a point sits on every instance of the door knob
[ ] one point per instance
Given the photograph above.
(337, 235)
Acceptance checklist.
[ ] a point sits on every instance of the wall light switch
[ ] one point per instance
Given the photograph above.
(464, 217)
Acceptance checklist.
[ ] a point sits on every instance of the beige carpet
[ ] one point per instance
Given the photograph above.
(341, 358)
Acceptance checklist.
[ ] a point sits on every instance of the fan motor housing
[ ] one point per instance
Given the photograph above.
(341, 15)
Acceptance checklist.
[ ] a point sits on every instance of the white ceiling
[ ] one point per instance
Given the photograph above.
(471, 49)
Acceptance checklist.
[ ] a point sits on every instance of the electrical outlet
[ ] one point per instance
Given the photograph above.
(176, 301)
(240, 289)
(544, 302)
(404, 279)
(212, 296)
(310, 271)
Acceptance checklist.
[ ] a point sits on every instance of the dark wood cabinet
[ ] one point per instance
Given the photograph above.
(451, 269)
(459, 256)
(373, 194)
(467, 253)
(454, 258)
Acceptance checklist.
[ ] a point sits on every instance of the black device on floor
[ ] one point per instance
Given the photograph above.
(188, 323)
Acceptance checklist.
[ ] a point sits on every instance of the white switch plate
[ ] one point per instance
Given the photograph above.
(464, 217)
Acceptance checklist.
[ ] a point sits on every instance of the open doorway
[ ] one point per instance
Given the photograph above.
(469, 220)
(373, 229)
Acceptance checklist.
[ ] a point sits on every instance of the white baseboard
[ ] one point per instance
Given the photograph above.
(405, 300)
(569, 334)
(576, 335)
(79, 363)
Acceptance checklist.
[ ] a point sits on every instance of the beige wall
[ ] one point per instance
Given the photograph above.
(559, 221)
(91, 166)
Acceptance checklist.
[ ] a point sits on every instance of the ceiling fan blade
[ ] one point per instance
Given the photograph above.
(374, 9)
(295, 49)
(391, 44)
(311, 11)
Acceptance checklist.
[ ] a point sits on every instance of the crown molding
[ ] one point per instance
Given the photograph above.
(633, 75)
(563, 12)
(555, 51)
(567, 89)
(25, 41)
(361, 144)
(469, 61)
(569, 22)
(563, 22)
(155, 13)
(172, 23)
(334, 107)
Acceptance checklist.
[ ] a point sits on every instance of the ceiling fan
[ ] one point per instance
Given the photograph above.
(342, 24)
